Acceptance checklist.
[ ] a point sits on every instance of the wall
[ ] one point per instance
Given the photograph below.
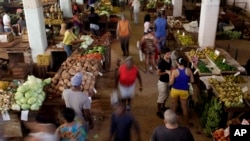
(230, 2)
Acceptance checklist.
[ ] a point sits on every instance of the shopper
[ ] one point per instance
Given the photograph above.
(121, 124)
(149, 45)
(123, 32)
(74, 98)
(147, 24)
(20, 25)
(179, 80)
(160, 25)
(42, 129)
(164, 73)
(72, 129)
(7, 22)
(126, 80)
(77, 23)
(69, 39)
(136, 9)
(171, 131)
(93, 21)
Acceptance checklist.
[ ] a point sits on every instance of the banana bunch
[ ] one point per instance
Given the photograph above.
(235, 79)
(186, 40)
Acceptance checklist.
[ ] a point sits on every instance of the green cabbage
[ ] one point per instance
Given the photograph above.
(18, 95)
(23, 100)
(25, 106)
(29, 94)
(35, 107)
(31, 100)
(23, 88)
(47, 81)
(16, 107)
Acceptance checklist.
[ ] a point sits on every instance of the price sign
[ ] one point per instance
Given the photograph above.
(196, 71)
(217, 52)
(213, 76)
(183, 33)
(224, 60)
(95, 91)
(226, 132)
(245, 89)
(5, 116)
(236, 74)
(100, 74)
(25, 115)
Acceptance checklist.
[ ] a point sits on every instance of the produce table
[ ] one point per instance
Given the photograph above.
(185, 47)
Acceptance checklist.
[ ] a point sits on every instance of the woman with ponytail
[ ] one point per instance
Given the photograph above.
(179, 80)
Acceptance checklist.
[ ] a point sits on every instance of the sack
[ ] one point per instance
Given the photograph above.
(114, 99)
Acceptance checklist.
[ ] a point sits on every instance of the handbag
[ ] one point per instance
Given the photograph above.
(114, 98)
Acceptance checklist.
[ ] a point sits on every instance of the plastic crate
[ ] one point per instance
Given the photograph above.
(43, 60)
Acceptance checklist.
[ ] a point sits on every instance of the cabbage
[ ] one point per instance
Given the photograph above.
(31, 100)
(25, 106)
(40, 97)
(18, 102)
(35, 107)
(23, 100)
(47, 81)
(16, 107)
(18, 95)
(29, 94)
(23, 88)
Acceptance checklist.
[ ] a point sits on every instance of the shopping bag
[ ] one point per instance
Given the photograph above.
(114, 99)
(190, 90)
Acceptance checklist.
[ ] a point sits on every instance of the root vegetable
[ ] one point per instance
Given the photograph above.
(61, 88)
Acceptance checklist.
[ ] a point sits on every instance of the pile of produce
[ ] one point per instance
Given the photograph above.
(87, 41)
(211, 116)
(6, 100)
(231, 34)
(30, 94)
(202, 66)
(228, 92)
(201, 54)
(234, 79)
(219, 135)
(175, 24)
(223, 66)
(151, 4)
(53, 15)
(186, 40)
(87, 64)
(97, 49)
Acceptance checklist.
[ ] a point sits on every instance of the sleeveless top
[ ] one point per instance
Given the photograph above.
(123, 28)
(181, 82)
(127, 77)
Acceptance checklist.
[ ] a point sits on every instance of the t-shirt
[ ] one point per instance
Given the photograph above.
(75, 132)
(6, 21)
(161, 133)
(77, 101)
(22, 23)
(127, 77)
(121, 126)
(160, 29)
(69, 37)
(93, 18)
(163, 65)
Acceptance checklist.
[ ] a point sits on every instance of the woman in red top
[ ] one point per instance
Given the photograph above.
(126, 79)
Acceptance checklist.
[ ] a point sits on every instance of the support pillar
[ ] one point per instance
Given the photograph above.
(66, 7)
(177, 10)
(33, 11)
(208, 22)
(81, 2)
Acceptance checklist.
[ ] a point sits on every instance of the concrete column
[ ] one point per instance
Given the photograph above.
(208, 22)
(66, 7)
(33, 11)
(81, 2)
(177, 11)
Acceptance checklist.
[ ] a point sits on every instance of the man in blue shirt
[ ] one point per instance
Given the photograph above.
(160, 25)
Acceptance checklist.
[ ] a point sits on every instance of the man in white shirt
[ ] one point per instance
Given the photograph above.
(6, 22)
(136, 9)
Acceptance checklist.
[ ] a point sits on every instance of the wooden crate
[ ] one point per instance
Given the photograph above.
(43, 60)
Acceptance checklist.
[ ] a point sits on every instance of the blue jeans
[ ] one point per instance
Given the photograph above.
(68, 49)
(162, 42)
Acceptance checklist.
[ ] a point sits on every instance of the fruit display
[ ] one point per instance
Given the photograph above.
(200, 53)
(218, 135)
(96, 49)
(202, 66)
(211, 116)
(185, 40)
(223, 66)
(234, 79)
(151, 4)
(6, 100)
(228, 92)
(176, 24)
(53, 15)
(30, 94)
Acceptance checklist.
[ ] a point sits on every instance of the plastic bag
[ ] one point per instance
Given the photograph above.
(190, 90)
(114, 99)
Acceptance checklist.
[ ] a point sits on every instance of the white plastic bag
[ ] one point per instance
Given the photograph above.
(190, 90)
(114, 99)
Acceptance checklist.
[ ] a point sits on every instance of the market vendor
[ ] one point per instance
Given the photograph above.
(69, 39)
(77, 100)
(93, 21)
(20, 25)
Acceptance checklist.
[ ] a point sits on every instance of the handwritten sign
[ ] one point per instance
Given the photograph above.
(217, 52)
(245, 89)
(236, 74)
(100, 74)
(5, 116)
(224, 60)
(25, 115)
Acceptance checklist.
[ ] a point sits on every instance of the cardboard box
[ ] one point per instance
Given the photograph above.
(6, 37)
